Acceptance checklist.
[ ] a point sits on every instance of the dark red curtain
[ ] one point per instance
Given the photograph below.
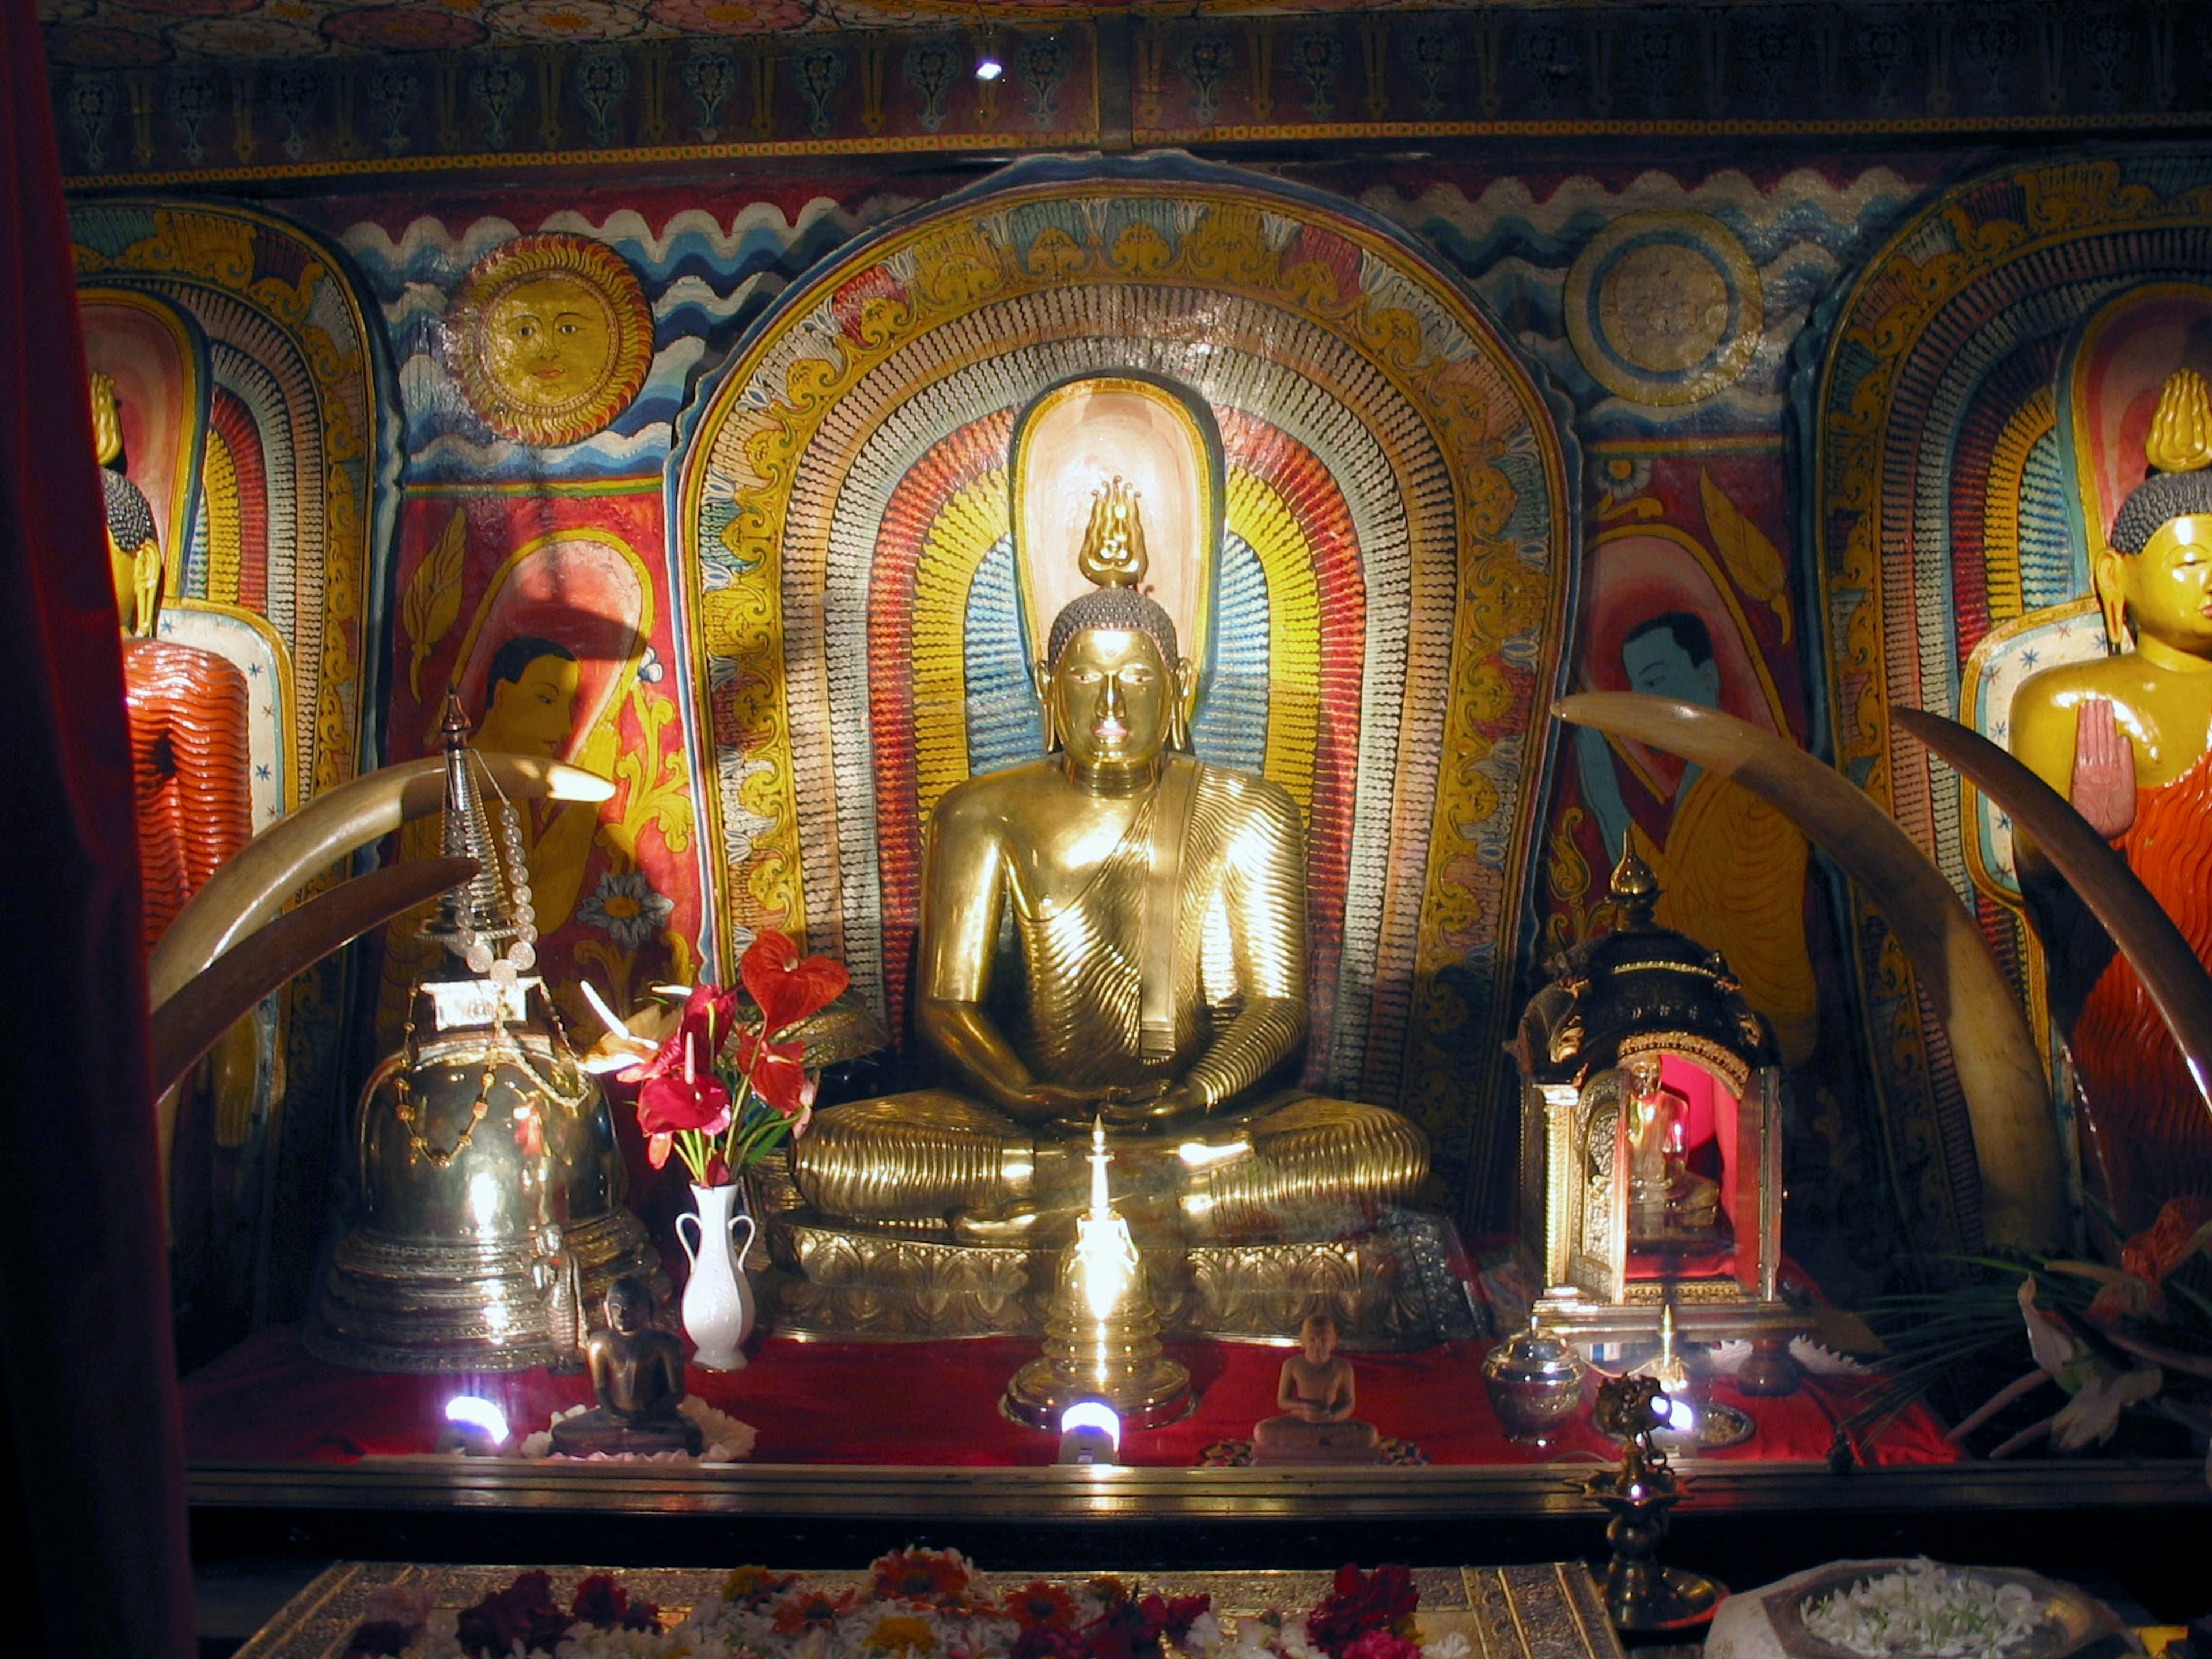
(87, 1370)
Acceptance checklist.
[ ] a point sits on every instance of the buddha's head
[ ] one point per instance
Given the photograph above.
(1112, 698)
(530, 698)
(629, 1304)
(1317, 1336)
(1672, 656)
(2154, 579)
(1116, 686)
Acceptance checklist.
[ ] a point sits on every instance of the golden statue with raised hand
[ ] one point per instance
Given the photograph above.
(188, 714)
(1156, 906)
(2128, 739)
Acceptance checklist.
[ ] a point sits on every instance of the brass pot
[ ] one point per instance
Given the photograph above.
(1534, 1380)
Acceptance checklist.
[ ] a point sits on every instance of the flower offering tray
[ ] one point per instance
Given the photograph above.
(1543, 1611)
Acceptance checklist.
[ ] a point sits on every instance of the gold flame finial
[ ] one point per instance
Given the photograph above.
(2181, 432)
(1634, 884)
(1113, 552)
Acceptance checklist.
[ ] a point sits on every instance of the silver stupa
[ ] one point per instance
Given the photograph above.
(482, 1143)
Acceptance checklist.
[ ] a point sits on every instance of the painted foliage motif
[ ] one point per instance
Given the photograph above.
(1393, 578)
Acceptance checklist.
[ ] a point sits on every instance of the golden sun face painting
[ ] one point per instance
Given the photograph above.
(550, 337)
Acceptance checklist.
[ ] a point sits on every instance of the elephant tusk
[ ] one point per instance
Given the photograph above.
(2008, 1100)
(258, 880)
(2176, 981)
(191, 1021)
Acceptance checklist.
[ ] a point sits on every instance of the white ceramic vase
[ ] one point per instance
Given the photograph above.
(718, 1297)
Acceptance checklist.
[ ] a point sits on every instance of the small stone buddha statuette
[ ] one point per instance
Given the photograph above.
(637, 1372)
(1316, 1395)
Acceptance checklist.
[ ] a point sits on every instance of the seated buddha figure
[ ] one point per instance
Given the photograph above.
(187, 707)
(2128, 740)
(1157, 978)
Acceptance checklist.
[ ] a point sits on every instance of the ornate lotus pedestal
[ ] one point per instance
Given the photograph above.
(1389, 1288)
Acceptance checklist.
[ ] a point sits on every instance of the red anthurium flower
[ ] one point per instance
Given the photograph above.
(787, 987)
(2183, 1227)
(701, 1027)
(778, 1071)
(668, 1104)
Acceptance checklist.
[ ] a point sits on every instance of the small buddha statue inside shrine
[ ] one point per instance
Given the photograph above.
(1159, 974)
(1669, 1204)
(2128, 739)
(637, 1374)
(187, 707)
(1316, 1395)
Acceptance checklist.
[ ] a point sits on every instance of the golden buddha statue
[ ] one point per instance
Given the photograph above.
(1157, 905)
(2128, 739)
(187, 707)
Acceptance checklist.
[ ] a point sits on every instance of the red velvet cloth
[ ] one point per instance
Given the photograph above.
(86, 1362)
(938, 1403)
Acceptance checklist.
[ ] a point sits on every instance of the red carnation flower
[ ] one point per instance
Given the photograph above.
(1360, 1602)
(523, 1613)
(812, 1610)
(602, 1600)
(1382, 1645)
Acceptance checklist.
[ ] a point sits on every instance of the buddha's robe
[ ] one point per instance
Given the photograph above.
(1076, 1015)
(1732, 877)
(2152, 1135)
(189, 759)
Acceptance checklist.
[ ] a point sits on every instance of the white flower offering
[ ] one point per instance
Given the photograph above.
(1922, 1608)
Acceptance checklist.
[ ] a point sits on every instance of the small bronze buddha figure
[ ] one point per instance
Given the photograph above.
(1317, 1396)
(1667, 1202)
(637, 1372)
(1156, 976)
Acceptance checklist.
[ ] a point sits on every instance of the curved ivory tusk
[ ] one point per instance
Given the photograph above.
(2008, 1101)
(191, 1021)
(260, 877)
(2178, 986)
(188, 1024)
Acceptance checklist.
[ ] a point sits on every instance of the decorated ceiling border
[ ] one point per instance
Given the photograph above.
(1491, 576)
(621, 88)
(1932, 388)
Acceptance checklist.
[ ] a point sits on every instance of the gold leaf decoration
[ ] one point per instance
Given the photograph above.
(433, 603)
(1753, 561)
